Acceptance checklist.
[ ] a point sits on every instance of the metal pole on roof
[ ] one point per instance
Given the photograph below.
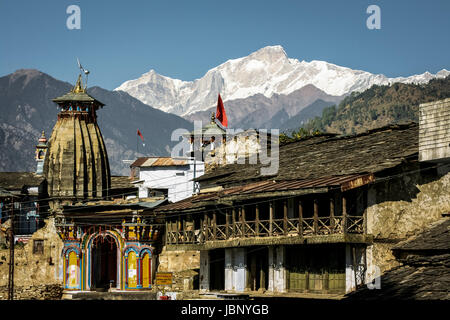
(11, 254)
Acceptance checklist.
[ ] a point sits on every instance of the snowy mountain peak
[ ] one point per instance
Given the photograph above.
(267, 71)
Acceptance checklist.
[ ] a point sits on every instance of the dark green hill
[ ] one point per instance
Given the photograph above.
(379, 106)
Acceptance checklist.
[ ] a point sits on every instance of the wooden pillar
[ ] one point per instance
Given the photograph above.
(185, 233)
(202, 227)
(300, 217)
(262, 276)
(285, 217)
(316, 215)
(234, 222)
(242, 210)
(344, 213)
(332, 213)
(227, 224)
(206, 227)
(365, 194)
(167, 233)
(214, 223)
(257, 220)
(272, 204)
(177, 229)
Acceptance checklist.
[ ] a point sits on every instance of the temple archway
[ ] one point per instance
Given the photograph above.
(104, 263)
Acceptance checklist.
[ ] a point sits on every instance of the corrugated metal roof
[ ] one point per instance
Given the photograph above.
(158, 162)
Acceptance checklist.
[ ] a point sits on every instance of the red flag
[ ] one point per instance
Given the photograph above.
(220, 113)
(140, 135)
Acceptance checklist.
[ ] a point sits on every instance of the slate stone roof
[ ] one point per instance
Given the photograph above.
(121, 182)
(323, 156)
(77, 97)
(423, 278)
(435, 238)
(425, 270)
(317, 162)
(16, 181)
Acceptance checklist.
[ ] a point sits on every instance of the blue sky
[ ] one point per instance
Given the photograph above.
(120, 40)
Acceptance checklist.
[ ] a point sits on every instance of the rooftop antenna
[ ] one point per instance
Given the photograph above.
(86, 72)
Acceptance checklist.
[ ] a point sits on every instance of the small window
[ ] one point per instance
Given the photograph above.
(180, 173)
(157, 192)
(38, 246)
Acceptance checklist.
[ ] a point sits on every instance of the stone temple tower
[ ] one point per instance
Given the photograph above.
(76, 165)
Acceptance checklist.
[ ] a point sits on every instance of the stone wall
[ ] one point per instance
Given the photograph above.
(184, 265)
(38, 272)
(402, 207)
(38, 292)
(178, 260)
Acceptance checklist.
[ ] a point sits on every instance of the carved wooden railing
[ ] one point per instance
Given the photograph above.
(267, 228)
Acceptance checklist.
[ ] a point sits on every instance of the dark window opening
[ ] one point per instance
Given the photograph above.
(38, 246)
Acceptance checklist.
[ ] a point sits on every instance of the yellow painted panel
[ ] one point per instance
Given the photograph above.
(146, 271)
(72, 270)
(132, 270)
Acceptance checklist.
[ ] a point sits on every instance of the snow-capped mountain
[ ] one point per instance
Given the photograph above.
(268, 71)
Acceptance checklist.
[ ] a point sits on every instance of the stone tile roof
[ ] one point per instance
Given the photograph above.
(121, 182)
(77, 97)
(322, 156)
(425, 270)
(18, 180)
(423, 278)
(435, 238)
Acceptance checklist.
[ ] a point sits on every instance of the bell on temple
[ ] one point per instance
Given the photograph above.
(76, 165)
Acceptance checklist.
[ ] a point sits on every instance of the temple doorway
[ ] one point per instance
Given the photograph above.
(104, 263)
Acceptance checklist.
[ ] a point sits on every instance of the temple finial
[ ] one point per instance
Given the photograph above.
(79, 85)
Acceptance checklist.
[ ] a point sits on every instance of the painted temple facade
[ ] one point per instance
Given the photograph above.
(116, 258)
(109, 243)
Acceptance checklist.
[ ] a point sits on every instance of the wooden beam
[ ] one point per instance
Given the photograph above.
(227, 224)
(316, 215)
(300, 217)
(344, 213)
(285, 216)
(214, 223)
(202, 226)
(332, 212)
(206, 227)
(272, 204)
(167, 233)
(177, 228)
(242, 211)
(234, 222)
(257, 220)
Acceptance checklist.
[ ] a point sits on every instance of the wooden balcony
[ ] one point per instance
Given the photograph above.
(294, 227)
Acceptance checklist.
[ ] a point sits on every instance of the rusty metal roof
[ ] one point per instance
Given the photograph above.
(345, 182)
(158, 162)
(196, 201)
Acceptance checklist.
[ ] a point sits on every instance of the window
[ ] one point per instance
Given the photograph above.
(38, 246)
(179, 173)
(157, 192)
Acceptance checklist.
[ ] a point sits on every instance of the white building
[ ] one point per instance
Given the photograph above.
(166, 176)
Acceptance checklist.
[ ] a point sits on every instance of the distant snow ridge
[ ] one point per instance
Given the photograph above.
(267, 71)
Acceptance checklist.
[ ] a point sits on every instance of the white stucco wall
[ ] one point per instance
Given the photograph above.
(179, 186)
